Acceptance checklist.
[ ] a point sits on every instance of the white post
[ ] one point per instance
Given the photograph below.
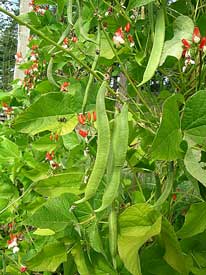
(23, 36)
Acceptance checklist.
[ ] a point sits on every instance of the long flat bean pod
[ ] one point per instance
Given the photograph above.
(156, 52)
(103, 146)
(119, 147)
(113, 235)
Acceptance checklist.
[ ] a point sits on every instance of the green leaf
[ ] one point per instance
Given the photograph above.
(173, 253)
(49, 258)
(166, 145)
(70, 141)
(43, 144)
(194, 165)
(157, 47)
(195, 221)
(54, 112)
(135, 4)
(44, 87)
(152, 261)
(57, 213)
(80, 260)
(105, 49)
(54, 214)
(43, 232)
(9, 151)
(194, 117)
(57, 184)
(137, 224)
(183, 28)
(94, 238)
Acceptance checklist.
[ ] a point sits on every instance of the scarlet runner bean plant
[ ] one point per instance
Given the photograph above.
(102, 144)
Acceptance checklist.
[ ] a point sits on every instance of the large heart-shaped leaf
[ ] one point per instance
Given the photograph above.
(137, 224)
(49, 258)
(194, 118)
(57, 213)
(195, 221)
(166, 145)
(52, 111)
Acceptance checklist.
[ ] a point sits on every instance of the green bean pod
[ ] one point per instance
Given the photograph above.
(156, 52)
(103, 146)
(119, 148)
(112, 221)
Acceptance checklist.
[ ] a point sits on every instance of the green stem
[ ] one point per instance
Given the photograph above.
(91, 76)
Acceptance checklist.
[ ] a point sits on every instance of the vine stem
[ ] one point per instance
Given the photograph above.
(91, 76)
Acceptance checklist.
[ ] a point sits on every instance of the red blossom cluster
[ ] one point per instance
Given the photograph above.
(37, 8)
(65, 44)
(19, 58)
(13, 243)
(32, 73)
(85, 120)
(54, 137)
(118, 37)
(8, 111)
(50, 157)
(196, 39)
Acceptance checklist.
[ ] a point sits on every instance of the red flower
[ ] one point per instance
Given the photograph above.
(23, 269)
(94, 116)
(54, 165)
(10, 225)
(64, 87)
(27, 72)
(119, 32)
(203, 44)
(174, 197)
(66, 41)
(74, 39)
(131, 40)
(56, 137)
(5, 105)
(34, 47)
(118, 37)
(196, 35)
(186, 43)
(81, 119)
(51, 137)
(50, 156)
(83, 133)
(127, 27)
(89, 116)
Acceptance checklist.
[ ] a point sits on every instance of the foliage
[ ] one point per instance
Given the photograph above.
(102, 154)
